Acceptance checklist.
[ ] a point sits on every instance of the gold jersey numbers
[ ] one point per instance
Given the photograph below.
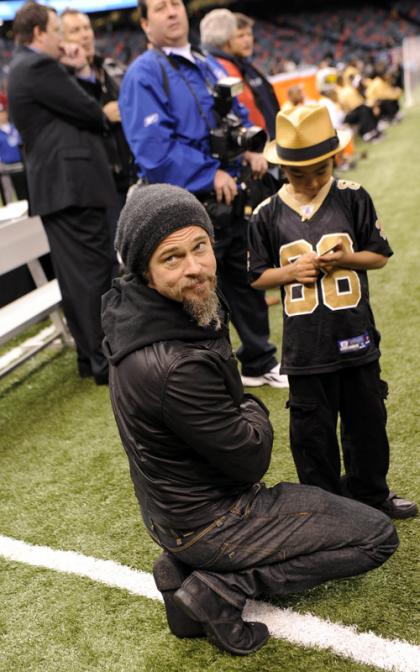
(299, 299)
(339, 289)
(347, 184)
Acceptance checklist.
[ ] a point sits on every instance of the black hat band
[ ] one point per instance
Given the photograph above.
(307, 153)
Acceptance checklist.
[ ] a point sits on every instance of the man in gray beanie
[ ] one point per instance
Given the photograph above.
(198, 446)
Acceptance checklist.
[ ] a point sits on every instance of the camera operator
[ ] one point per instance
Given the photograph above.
(172, 116)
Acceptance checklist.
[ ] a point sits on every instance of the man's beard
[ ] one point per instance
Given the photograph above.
(205, 311)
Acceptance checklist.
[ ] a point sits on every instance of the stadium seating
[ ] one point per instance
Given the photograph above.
(289, 39)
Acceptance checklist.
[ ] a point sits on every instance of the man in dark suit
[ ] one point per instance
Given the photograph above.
(69, 179)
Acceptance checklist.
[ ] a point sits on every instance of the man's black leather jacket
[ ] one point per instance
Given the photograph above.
(194, 440)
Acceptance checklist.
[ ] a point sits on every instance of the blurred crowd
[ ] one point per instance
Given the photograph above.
(287, 41)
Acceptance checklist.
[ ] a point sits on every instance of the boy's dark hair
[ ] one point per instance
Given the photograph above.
(27, 18)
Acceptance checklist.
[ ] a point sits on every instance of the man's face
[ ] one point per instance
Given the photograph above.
(77, 28)
(308, 180)
(296, 96)
(48, 41)
(242, 43)
(166, 24)
(183, 268)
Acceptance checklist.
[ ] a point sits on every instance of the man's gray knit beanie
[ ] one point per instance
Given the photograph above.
(151, 213)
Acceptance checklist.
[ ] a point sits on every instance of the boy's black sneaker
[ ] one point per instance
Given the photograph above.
(396, 507)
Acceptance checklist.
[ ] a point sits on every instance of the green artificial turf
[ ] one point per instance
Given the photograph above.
(64, 483)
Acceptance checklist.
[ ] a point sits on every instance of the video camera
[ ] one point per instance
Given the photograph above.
(230, 138)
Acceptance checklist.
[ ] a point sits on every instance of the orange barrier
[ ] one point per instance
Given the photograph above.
(307, 78)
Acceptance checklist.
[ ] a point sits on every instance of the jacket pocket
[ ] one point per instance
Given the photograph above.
(301, 406)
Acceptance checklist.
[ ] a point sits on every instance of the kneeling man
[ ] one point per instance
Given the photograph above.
(198, 446)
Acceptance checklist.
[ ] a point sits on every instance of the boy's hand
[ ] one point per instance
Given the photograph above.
(329, 261)
(305, 268)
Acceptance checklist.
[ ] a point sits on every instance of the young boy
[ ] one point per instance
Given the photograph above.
(316, 239)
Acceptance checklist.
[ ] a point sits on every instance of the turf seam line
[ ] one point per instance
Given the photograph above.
(302, 629)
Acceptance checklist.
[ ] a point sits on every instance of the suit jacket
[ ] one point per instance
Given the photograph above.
(61, 128)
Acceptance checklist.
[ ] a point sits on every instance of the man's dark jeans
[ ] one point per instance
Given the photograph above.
(282, 540)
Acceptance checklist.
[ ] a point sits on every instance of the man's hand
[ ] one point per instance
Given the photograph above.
(224, 186)
(74, 56)
(112, 111)
(257, 163)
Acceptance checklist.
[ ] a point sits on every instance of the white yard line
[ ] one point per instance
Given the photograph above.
(303, 629)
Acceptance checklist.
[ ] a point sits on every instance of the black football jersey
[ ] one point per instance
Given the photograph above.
(327, 325)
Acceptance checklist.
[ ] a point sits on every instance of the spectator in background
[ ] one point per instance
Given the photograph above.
(168, 113)
(381, 93)
(329, 98)
(230, 39)
(103, 82)
(10, 153)
(69, 180)
(345, 159)
(295, 97)
(357, 112)
(327, 73)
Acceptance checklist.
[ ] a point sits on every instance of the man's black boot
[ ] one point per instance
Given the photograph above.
(169, 573)
(221, 621)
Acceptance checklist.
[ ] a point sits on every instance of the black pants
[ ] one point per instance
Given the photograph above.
(389, 108)
(249, 311)
(363, 117)
(81, 254)
(357, 395)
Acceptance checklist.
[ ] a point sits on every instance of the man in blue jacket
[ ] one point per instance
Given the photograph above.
(167, 110)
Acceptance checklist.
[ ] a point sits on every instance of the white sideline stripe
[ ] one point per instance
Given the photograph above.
(16, 352)
(303, 629)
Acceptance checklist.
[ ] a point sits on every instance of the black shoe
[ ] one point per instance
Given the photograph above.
(221, 621)
(169, 573)
(395, 507)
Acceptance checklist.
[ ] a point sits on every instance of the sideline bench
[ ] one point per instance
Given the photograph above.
(23, 241)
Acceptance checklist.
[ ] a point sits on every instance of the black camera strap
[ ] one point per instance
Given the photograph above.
(174, 64)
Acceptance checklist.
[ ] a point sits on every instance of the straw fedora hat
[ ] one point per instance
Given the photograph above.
(305, 135)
